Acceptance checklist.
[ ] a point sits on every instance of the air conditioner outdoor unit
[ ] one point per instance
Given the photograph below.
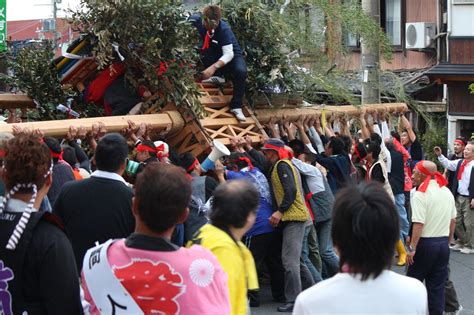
(419, 35)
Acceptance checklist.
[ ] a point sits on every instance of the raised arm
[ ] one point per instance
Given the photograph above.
(405, 123)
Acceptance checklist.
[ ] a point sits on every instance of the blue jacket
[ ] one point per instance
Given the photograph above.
(223, 36)
(262, 225)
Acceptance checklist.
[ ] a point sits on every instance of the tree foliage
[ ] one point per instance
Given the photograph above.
(32, 71)
(268, 34)
(260, 33)
(149, 34)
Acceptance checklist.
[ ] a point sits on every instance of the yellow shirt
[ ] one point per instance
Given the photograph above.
(236, 260)
(434, 208)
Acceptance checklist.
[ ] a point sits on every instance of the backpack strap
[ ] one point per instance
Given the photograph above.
(108, 294)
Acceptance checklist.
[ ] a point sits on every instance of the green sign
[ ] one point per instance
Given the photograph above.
(3, 25)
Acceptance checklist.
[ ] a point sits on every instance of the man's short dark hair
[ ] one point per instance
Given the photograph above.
(463, 140)
(237, 159)
(375, 137)
(297, 146)
(212, 12)
(347, 142)
(395, 135)
(53, 145)
(365, 228)
(162, 193)
(69, 155)
(373, 147)
(186, 160)
(337, 145)
(151, 145)
(233, 202)
(111, 152)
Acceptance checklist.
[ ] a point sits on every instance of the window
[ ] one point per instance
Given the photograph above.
(351, 40)
(392, 21)
(463, 1)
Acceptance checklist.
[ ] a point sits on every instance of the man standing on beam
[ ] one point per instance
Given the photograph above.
(221, 54)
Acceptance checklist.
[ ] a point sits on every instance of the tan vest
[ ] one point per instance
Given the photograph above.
(298, 210)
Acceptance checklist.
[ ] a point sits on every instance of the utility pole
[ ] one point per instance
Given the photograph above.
(55, 33)
(51, 22)
(370, 58)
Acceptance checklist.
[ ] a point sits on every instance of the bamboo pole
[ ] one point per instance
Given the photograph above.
(59, 128)
(264, 115)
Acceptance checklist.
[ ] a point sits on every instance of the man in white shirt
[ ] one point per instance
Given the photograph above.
(463, 189)
(365, 231)
(433, 217)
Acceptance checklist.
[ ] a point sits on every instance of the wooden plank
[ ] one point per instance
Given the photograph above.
(10, 101)
(216, 122)
(214, 100)
(226, 141)
(113, 123)
(218, 91)
(212, 85)
(215, 133)
(221, 113)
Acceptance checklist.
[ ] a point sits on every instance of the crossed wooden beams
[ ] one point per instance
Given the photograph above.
(219, 124)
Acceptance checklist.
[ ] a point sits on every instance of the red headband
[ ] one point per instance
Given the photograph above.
(438, 177)
(143, 148)
(55, 155)
(192, 166)
(247, 160)
(460, 142)
(282, 152)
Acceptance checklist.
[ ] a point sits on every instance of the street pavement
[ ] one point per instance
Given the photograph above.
(462, 274)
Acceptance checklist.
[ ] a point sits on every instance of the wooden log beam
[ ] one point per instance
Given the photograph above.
(11, 101)
(59, 128)
(292, 113)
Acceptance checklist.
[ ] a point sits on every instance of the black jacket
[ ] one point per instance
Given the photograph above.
(455, 182)
(95, 210)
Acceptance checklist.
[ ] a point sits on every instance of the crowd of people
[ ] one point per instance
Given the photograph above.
(109, 223)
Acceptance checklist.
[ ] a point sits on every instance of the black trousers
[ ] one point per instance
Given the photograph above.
(452, 303)
(266, 250)
(431, 265)
(236, 71)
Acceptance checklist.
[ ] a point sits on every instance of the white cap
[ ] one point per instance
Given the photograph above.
(162, 149)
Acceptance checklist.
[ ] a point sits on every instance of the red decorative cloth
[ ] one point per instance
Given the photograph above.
(55, 155)
(207, 41)
(142, 148)
(192, 166)
(247, 160)
(440, 179)
(282, 152)
(461, 169)
(161, 151)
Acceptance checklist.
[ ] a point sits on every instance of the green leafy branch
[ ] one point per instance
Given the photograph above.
(150, 34)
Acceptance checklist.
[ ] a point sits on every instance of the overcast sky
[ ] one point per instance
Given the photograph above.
(35, 9)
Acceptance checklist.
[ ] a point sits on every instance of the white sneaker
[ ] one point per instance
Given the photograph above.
(456, 247)
(238, 114)
(467, 250)
(456, 312)
(214, 80)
